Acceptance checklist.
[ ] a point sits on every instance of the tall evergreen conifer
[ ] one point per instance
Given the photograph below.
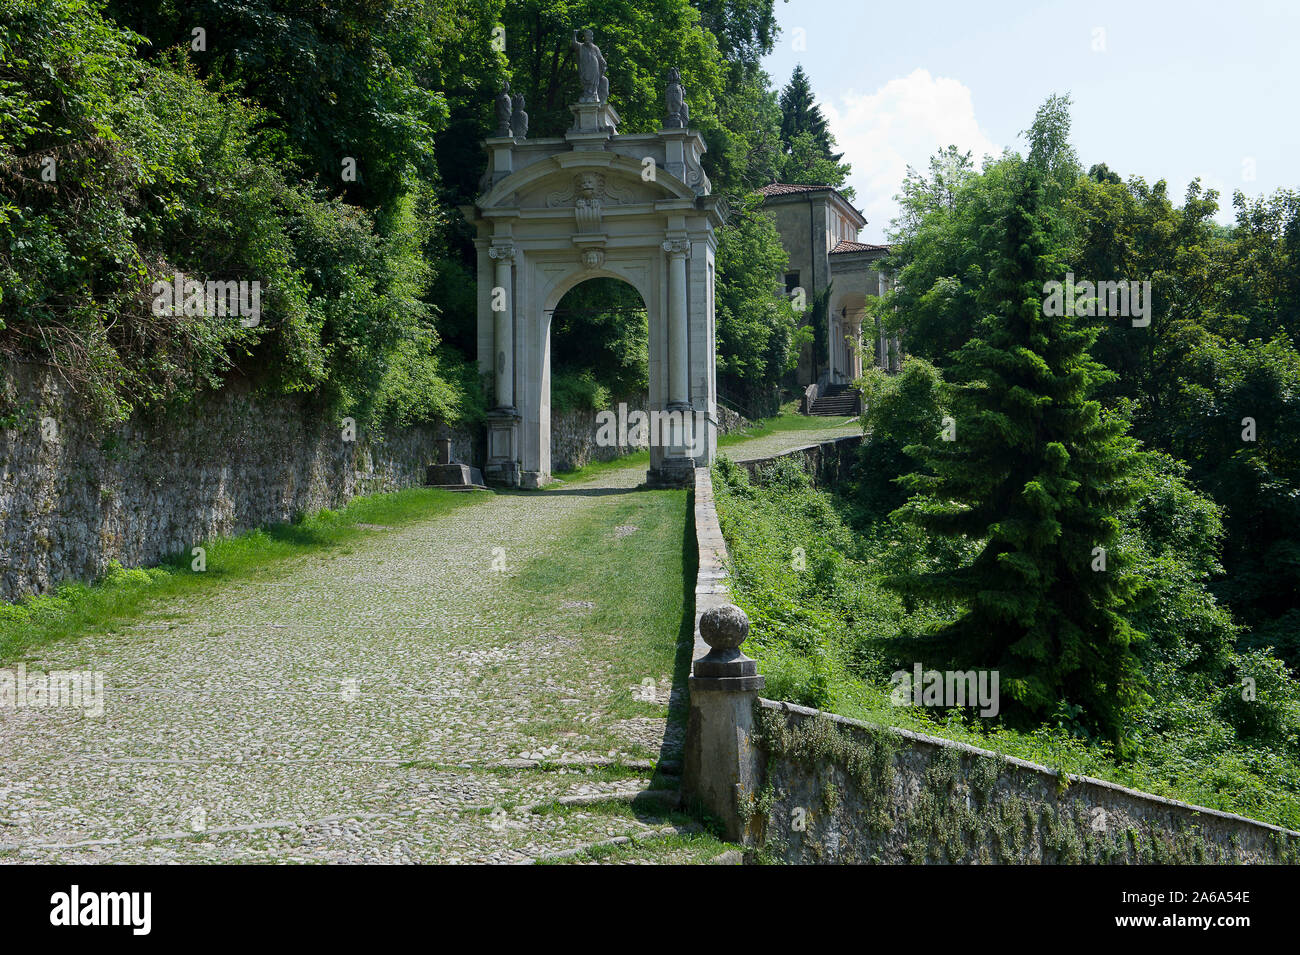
(801, 114)
(1040, 474)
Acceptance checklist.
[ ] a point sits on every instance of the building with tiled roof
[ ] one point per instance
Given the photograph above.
(819, 228)
(844, 246)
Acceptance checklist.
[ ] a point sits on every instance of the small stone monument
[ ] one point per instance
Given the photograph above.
(519, 119)
(505, 110)
(449, 476)
(679, 114)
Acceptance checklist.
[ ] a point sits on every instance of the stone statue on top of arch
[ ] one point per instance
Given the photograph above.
(591, 69)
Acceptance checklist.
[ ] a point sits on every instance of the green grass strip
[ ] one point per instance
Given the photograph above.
(123, 596)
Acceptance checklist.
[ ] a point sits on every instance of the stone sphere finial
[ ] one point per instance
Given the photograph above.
(725, 627)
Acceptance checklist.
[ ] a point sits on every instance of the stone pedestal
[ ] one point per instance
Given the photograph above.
(683, 433)
(454, 477)
(597, 120)
(501, 156)
(448, 475)
(723, 770)
(502, 465)
(672, 472)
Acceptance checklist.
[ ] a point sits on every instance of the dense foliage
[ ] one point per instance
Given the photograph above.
(321, 150)
(1098, 503)
(1035, 470)
(811, 568)
(1208, 375)
(134, 157)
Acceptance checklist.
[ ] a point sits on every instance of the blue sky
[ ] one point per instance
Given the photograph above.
(1170, 90)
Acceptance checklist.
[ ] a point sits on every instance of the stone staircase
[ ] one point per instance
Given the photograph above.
(836, 401)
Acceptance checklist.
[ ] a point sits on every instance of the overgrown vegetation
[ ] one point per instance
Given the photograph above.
(1209, 373)
(960, 812)
(1097, 502)
(131, 157)
(321, 151)
(811, 569)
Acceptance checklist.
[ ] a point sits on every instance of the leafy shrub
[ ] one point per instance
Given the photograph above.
(578, 391)
(159, 171)
(1264, 703)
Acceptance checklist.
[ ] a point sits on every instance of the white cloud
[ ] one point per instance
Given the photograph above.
(903, 123)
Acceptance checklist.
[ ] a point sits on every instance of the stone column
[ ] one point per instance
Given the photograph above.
(678, 372)
(504, 325)
(831, 346)
(723, 768)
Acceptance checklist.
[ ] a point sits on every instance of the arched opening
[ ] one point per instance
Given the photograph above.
(846, 339)
(600, 357)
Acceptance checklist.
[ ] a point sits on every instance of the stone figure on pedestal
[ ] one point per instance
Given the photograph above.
(591, 69)
(519, 119)
(679, 114)
(504, 110)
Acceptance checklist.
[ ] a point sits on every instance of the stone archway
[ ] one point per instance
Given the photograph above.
(844, 341)
(556, 212)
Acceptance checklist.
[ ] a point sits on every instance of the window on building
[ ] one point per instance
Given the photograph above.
(791, 282)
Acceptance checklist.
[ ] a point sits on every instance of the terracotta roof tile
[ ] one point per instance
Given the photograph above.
(775, 189)
(844, 245)
(789, 189)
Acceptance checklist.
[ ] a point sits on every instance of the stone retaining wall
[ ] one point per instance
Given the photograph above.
(74, 497)
(837, 790)
(826, 463)
(573, 437)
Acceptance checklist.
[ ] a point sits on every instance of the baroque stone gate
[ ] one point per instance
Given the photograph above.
(593, 203)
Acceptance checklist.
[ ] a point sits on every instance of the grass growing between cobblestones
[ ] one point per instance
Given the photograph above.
(594, 469)
(629, 564)
(122, 595)
(679, 849)
(519, 650)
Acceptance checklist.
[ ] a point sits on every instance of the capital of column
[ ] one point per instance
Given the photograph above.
(503, 251)
(676, 247)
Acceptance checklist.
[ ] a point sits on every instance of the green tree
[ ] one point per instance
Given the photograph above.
(800, 114)
(600, 331)
(745, 29)
(899, 412)
(639, 41)
(1038, 473)
(343, 80)
(1240, 404)
(755, 326)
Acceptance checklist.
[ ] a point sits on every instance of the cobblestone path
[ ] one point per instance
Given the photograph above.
(403, 699)
(783, 441)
